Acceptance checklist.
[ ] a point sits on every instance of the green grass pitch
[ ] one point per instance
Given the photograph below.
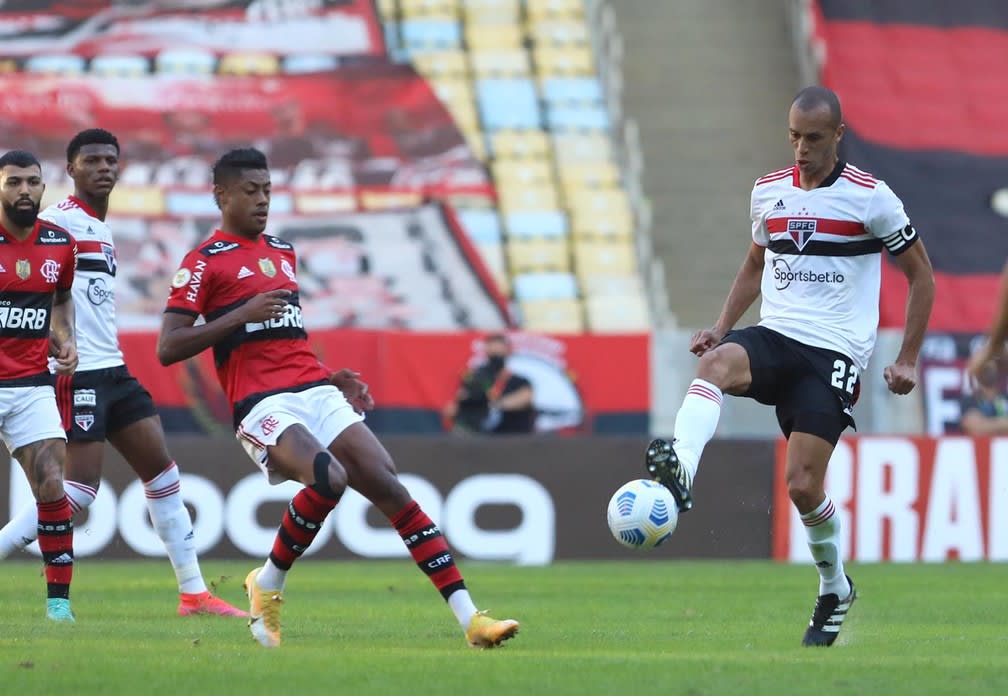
(587, 628)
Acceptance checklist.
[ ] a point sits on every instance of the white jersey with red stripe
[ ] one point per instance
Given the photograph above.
(823, 258)
(94, 283)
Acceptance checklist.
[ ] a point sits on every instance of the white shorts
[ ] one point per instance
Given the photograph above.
(323, 411)
(29, 414)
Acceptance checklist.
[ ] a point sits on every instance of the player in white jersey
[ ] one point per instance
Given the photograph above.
(102, 400)
(818, 231)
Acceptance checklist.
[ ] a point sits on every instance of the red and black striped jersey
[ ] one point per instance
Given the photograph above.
(31, 271)
(256, 359)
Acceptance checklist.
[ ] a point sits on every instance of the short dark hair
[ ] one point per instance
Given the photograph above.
(91, 136)
(813, 97)
(19, 158)
(234, 162)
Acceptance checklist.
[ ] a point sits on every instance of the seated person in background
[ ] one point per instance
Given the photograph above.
(985, 411)
(492, 399)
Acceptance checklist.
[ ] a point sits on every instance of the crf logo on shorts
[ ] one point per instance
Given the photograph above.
(268, 425)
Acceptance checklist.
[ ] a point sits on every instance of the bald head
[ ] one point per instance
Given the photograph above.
(815, 97)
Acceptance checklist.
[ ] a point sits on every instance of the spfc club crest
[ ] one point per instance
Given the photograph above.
(84, 420)
(23, 269)
(110, 259)
(801, 231)
(267, 267)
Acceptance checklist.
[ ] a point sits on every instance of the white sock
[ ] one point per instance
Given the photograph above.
(271, 577)
(173, 524)
(462, 606)
(23, 527)
(822, 526)
(696, 422)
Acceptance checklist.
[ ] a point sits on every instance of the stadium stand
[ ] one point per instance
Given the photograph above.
(944, 65)
(524, 81)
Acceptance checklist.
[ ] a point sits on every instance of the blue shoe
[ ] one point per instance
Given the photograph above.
(58, 609)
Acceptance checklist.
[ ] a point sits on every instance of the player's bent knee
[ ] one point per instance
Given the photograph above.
(718, 367)
(805, 491)
(330, 476)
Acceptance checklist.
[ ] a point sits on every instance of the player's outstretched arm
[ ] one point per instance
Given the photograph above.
(744, 291)
(995, 345)
(181, 339)
(901, 376)
(61, 333)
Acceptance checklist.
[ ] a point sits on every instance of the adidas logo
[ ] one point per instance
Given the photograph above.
(62, 559)
(244, 273)
(779, 205)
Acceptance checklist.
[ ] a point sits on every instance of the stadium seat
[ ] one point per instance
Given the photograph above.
(388, 9)
(559, 32)
(55, 65)
(528, 172)
(578, 90)
(442, 64)
(591, 175)
(492, 254)
(575, 148)
(536, 223)
(500, 63)
(300, 63)
(611, 284)
(491, 11)
(554, 9)
(493, 37)
(525, 198)
(119, 66)
(612, 202)
(577, 118)
(551, 61)
(588, 224)
(243, 63)
(553, 316)
(449, 89)
(475, 140)
(440, 9)
(481, 226)
(617, 313)
(518, 144)
(545, 286)
(430, 33)
(528, 255)
(508, 104)
(604, 258)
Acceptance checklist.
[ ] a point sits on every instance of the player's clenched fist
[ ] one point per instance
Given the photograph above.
(900, 377)
(266, 306)
(703, 341)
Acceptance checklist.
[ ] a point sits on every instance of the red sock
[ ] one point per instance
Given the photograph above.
(428, 548)
(55, 539)
(302, 521)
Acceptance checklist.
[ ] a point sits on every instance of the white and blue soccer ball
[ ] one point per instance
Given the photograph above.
(642, 514)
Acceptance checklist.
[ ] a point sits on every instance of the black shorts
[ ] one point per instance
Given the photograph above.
(96, 403)
(814, 389)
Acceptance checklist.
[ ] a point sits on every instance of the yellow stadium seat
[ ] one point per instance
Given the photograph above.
(493, 257)
(517, 144)
(552, 61)
(450, 89)
(493, 37)
(542, 254)
(524, 172)
(587, 224)
(553, 316)
(432, 9)
(500, 63)
(119, 66)
(464, 114)
(575, 148)
(590, 175)
(474, 139)
(491, 11)
(249, 64)
(554, 9)
(388, 9)
(617, 313)
(626, 284)
(516, 198)
(442, 64)
(605, 202)
(559, 32)
(607, 258)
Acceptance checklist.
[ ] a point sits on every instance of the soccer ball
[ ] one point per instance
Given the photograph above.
(642, 514)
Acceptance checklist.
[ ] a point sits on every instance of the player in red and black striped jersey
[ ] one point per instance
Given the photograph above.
(37, 262)
(296, 419)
